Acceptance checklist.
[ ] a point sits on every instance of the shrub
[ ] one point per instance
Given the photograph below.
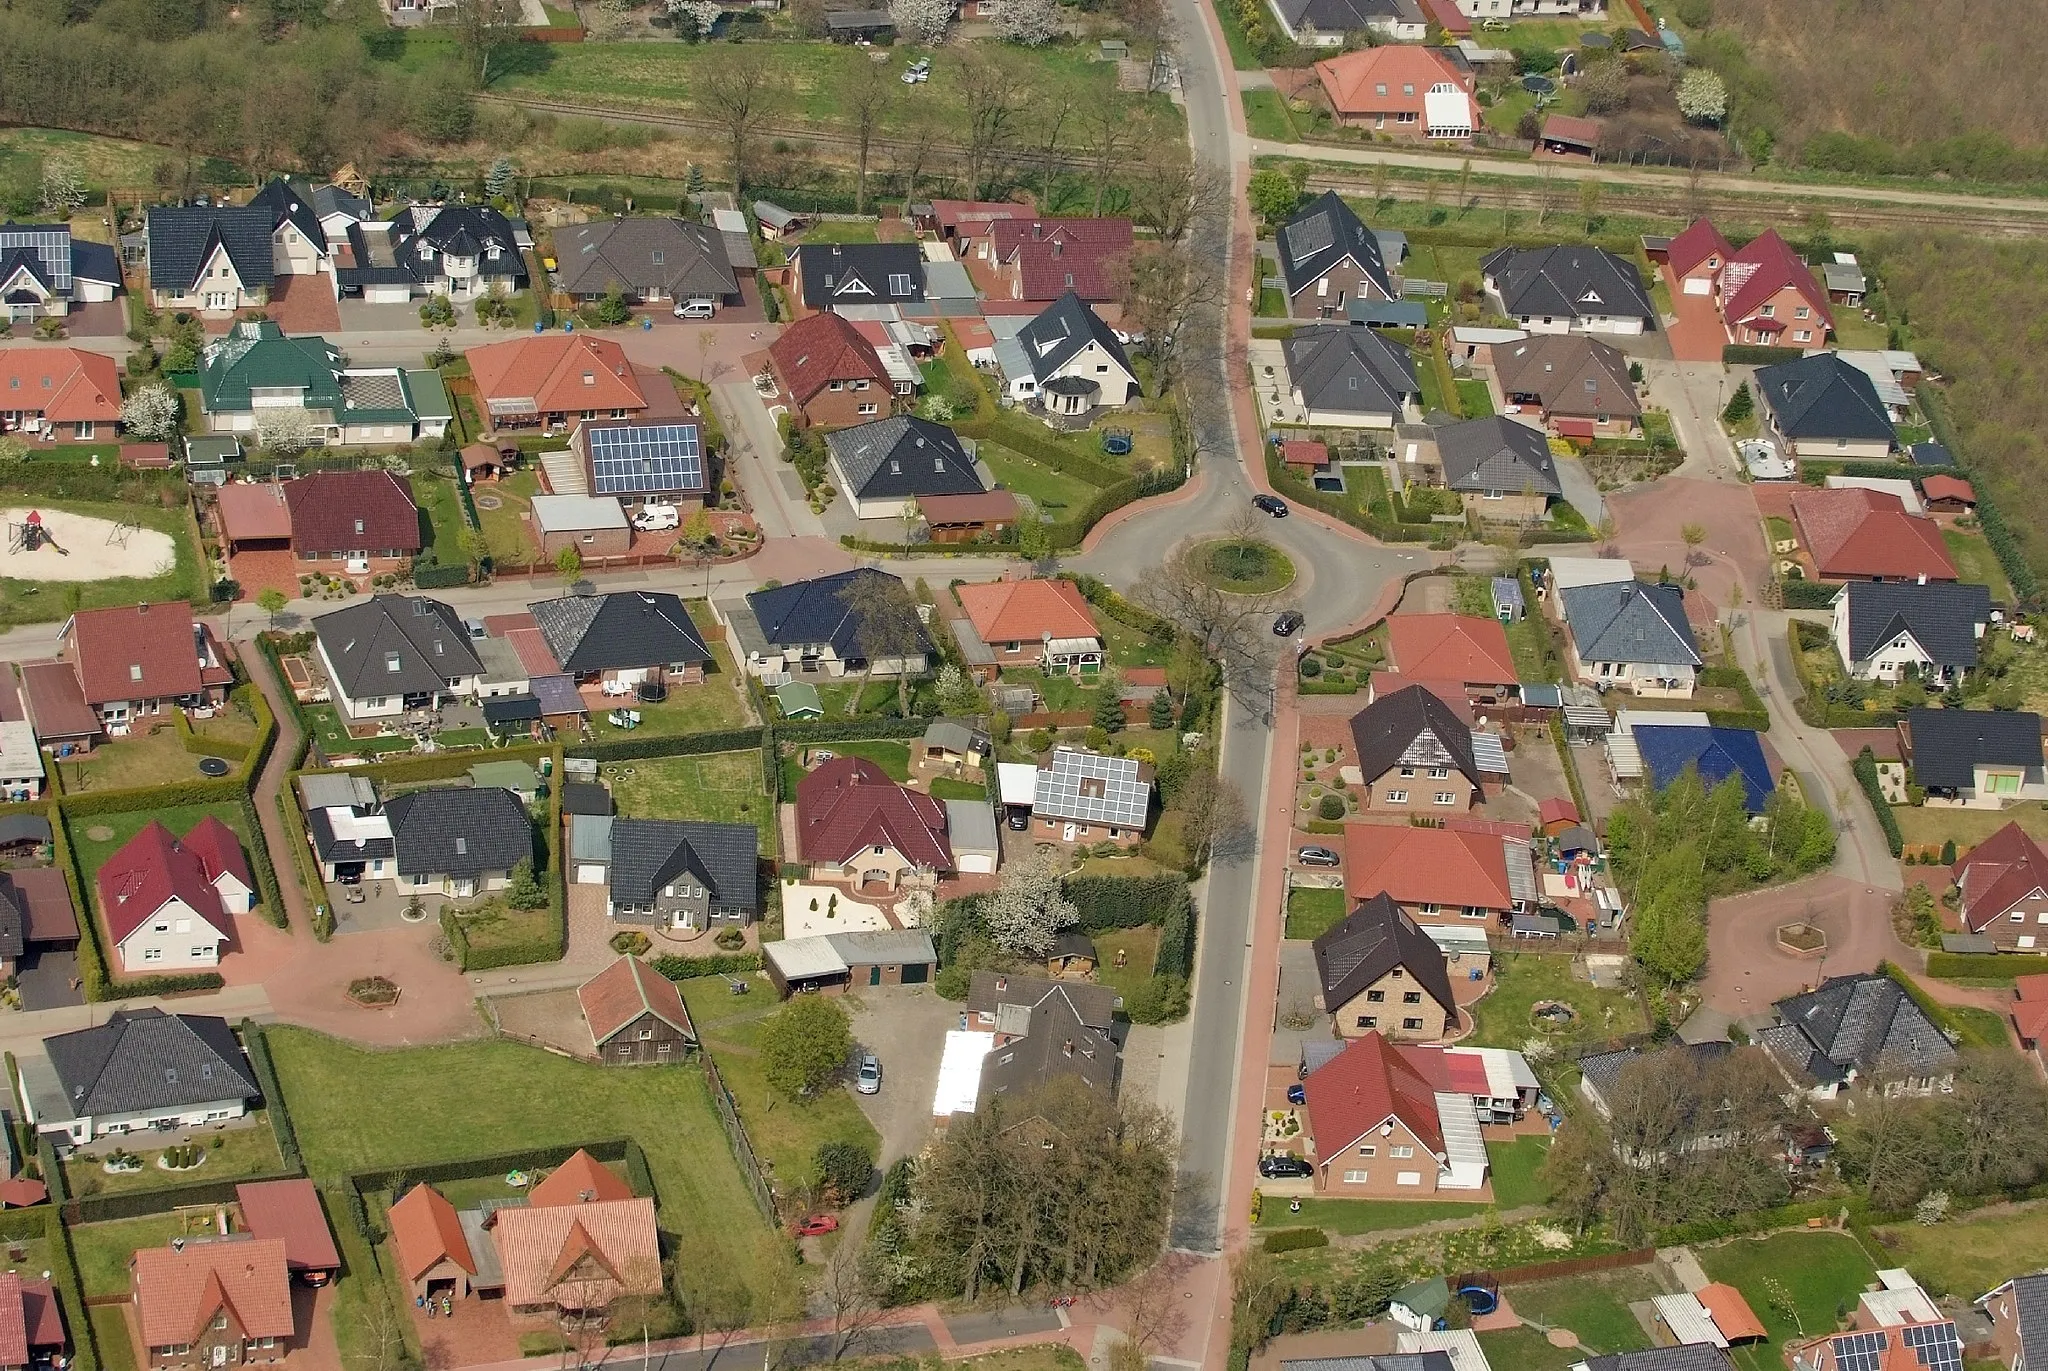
(1295, 1239)
(630, 942)
(1330, 807)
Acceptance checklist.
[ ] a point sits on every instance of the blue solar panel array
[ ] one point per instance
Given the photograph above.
(1936, 1346)
(644, 459)
(1859, 1351)
(51, 245)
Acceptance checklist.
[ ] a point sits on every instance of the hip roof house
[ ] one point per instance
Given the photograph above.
(884, 466)
(140, 1069)
(1569, 289)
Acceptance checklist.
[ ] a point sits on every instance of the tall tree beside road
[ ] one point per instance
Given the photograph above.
(1171, 193)
(887, 628)
(737, 91)
(1231, 630)
(1215, 821)
(866, 96)
(1165, 285)
(996, 95)
(482, 27)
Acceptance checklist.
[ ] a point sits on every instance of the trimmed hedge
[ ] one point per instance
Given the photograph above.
(1176, 954)
(487, 1164)
(1804, 594)
(266, 874)
(1752, 715)
(675, 968)
(1109, 902)
(147, 987)
(92, 963)
(207, 747)
(1758, 354)
(257, 1045)
(1295, 1239)
(1980, 966)
(675, 745)
(136, 1204)
(1865, 768)
(85, 1342)
(2018, 570)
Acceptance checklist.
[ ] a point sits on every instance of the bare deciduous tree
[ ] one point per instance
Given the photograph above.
(995, 94)
(737, 91)
(1167, 287)
(1106, 123)
(1171, 192)
(866, 97)
(887, 628)
(854, 1293)
(482, 27)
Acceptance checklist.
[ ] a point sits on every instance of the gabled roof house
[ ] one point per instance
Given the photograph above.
(679, 874)
(1328, 257)
(44, 271)
(1379, 971)
(1045, 258)
(848, 275)
(138, 659)
(1853, 533)
(853, 822)
(635, 1016)
(393, 652)
(830, 371)
(883, 467)
(2003, 882)
(1077, 363)
(1986, 758)
(168, 902)
(1633, 635)
(1402, 91)
(1568, 289)
(1440, 875)
(61, 394)
(1890, 631)
(1041, 1031)
(1578, 385)
(213, 1303)
(142, 1069)
(1416, 754)
(212, 258)
(1821, 406)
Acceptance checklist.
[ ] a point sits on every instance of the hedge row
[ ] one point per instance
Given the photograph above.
(1866, 776)
(438, 766)
(675, 968)
(486, 1164)
(1109, 902)
(257, 1044)
(136, 1204)
(1295, 1239)
(266, 874)
(200, 746)
(1176, 954)
(1752, 715)
(1980, 966)
(1758, 354)
(1301, 492)
(630, 749)
(1100, 595)
(2018, 570)
(85, 1340)
(1804, 594)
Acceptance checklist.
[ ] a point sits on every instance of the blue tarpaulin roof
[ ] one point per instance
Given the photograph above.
(1667, 749)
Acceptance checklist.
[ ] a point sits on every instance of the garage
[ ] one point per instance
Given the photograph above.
(589, 873)
(1698, 285)
(971, 829)
(387, 294)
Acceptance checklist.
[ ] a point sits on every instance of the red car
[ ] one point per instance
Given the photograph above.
(817, 1225)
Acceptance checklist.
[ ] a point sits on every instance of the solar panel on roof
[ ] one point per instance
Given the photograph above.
(1859, 1352)
(646, 457)
(1936, 1345)
(52, 245)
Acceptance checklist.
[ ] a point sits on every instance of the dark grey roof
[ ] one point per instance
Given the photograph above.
(143, 1059)
(1867, 1023)
(182, 238)
(902, 456)
(1949, 743)
(1067, 326)
(400, 254)
(1095, 1005)
(330, 849)
(95, 262)
(48, 251)
(329, 200)
(2030, 1317)
(1692, 1356)
(1570, 281)
(1385, 730)
(467, 831)
(1943, 617)
(621, 631)
(1631, 621)
(24, 828)
(13, 920)
(860, 273)
(1931, 455)
(648, 854)
(1323, 233)
(1055, 1029)
(814, 611)
(1822, 396)
(1344, 16)
(956, 735)
(1345, 369)
(585, 797)
(292, 201)
(1496, 453)
(1376, 938)
(1602, 1070)
(857, 21)
(1381, 1361)
(392, 644)
(677, 258)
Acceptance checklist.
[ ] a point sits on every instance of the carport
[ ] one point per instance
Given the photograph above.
(253, 517)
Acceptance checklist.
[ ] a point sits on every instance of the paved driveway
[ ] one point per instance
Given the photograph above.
(1696, 335)
(906, 1027)
(1581, 491)
(1746, 971)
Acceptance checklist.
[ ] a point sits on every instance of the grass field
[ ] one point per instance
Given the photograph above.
(1515, 1182)
(1821, 1272)
(1311, 912)
(893, 757)
(334, 740)
(1265, 116)
(156, 758)
(1127, 646)
(1054, 492)
(946, 788)
(1966, 1257)
(355, 1110)
(1525, 978)
(1476, 400)
(104, 1249)
(1139, 946)
(110, 1327)
(1593, 1306)
(250, 1151)
(1976, 563)
(505, 531)
(30, 602)
(716, 702)
(1922, 824)
(441, 521)
(1526, 1350)
(722, 787)
(101, 162)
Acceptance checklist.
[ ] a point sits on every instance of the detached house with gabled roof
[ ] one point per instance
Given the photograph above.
(1402, 91)
(213, 1304)
(391, 653)
(1461, 648)
(830, 372)
(1046, 623)
(1768, 296)
(1045, 258)
(1578, 386)
(1981, 758)
(1343, 376)
(636, 1018)
(215, 259)
(1632, 635)
(1076, 362)
(44, 271)
(1328, 257)
(1379, 971)
(142, 659)
(1085, 797)
(1852, 1028)
(1040, 1031)
(1440, 875)
(1893, 631)
(1568, 289)
(676, 875)
(1376, 1130)
(1416, 754)
(460, 251)
(855, 824)
(169, 902)
(846, 275)
(59, 394)
(2018, 1311)
(2003, 884)
(883, 468)
(458, 842)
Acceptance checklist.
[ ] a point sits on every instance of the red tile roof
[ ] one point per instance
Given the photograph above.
(1450, 647)
(251, 510)
(1570, 128)
(46, 904)
(21, 1192)
(849, 803)
(40, 1311)
(1027, 611)
(145, 456)
(68, 385)
(561, 373)
(425, 1232)
(1440, 866)
(1765, 266)
(150, 870)
(1699, 242)
(56, 705)
(138, 652)
(1451, 693)
(1360, 1089)
(582, 1179)
(1998, 873)
(220, 851)
(13, 1321)
(625, 990)
(1448, 17)
(1054, 256)
(975, 216)
(1948, 488)
(1854, 533)
(819, 349)
(290, 1212)
(177, 1293)
(1731, 1312)
(535, 656)
(353, 511)
(989, 507)
(1299, 452)
(578, 1256)
(2030, 1007)
(1556, 809)
(1353, 81)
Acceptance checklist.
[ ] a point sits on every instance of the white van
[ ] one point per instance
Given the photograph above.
(657, 518)
(696, 309)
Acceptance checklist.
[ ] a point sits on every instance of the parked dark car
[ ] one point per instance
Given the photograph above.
(1318, 856)
(1287, 622)
(1270, 504)
(1018, 819)
(1284, 1165)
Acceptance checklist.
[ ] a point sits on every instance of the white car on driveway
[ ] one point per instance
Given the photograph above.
(657, 518)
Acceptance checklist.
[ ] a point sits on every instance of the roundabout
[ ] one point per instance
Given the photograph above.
(1242, 566)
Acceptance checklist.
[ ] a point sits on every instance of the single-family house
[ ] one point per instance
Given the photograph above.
(1345, 377)
(1984, 759)
(855, 824)
(1041, 259)
(1503, 470)
(464, 252)
(366, 520)
(833, 276)
(1895, 1324)
(552, 380)
(635, 1016)
(137, 660)
(1668, 750)
(1440, 875)
(1571, 288)
(832, 963)
(623, 639)
(1632, 635)
(1864, 1027)
(1454, 647)
(58, 394)
(1821, 406)
(647, 259)
(307, 224)
(1767, 296)
(1578, 386)
(168, 902)
(676, 875)
(569, 1255)
(831, 373)
(813, 628)
(392, 653)
(289, 1212)
(1324, 23)
(1695, 257)
(1895, 631)
(2018, 1311)
(44, 271)
(1416, 754)
(1077, 363)
(213, 1304)
(1401, 91)
(1600, 1073)
(2003, 884)
(457, 841)
(1378, 971)
(882, 468)
(1854, 533)
(31, 1319)
(1041, 1031)
(644, 463)
(142, 1070)
(1090, 798)
(214, 259)
(1376, 1129)
(256, 380)
(430, 1246)
(1328, 257)
(1033, 622)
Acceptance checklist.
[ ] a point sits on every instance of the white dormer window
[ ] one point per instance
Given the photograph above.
(589, 378)
(426, 252)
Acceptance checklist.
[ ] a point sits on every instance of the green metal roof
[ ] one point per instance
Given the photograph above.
(429, 396)
(256, 355)
(798, 699)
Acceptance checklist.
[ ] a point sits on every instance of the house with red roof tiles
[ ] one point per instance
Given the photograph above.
(1401, 91)
(1696, 257)
(342, 516)
(635, 1017)
(432, 1250)
(1373, 1125)
(1857, 534)
(213, 1304)
(169, 902)
(142, 659)
(2003, 882)
(1043, 623)
(551, 380)
(1454, 647)
(31, 1323)
(1042, 259)
(831, 373)
(571, 1258)
(855, 824)
(1763, 292)
(63, 395)
(1440, 875)
(2030, 1014)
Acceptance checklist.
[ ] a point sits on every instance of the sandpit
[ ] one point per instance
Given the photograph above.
(140, 553)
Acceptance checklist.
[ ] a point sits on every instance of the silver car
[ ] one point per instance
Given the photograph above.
(868, 1080)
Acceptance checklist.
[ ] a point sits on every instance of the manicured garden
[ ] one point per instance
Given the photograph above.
(1595, 1306)
(1970, 1254)
(716, 702)
(1310, 911)
(1514, 1166)
(719, 787)
(154, 758)
(1819, 1273)
(231, 1154)
(893, 757)
(1243, 566)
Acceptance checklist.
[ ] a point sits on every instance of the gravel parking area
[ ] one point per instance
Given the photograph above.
(905, 1026)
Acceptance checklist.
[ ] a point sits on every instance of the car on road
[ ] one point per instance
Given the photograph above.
(816, 1226)
(1282, 1165)
(1317, 855)
(1270, 504)
(1287, 622)
(868, 1080)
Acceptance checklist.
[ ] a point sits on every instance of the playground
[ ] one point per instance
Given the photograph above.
(46, 544)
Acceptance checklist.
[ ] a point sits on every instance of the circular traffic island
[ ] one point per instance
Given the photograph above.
(1242, 566)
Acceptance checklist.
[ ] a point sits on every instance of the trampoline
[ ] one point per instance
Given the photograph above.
(1116, 442)
(1538, 85)
(213, 766)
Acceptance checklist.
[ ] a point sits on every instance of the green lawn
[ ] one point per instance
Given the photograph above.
(1364, 1216)
(1525, 1349)
(893, 757)
(1514, 1166)
(946, 788)
(716, 702)
(29, 602)
(1593, 1306)
(231, 1154)
(722, 787)
(1966, 1257)
(158, 758)
(333, 735)
(441, 520)
(1127, 646)
(1822, 1272)
(1266, 116)
(505, 531)
(852, 696)
(1920, 824)
(1139, 946)
(1977, 564)
(355, 1110)
(842, 231)
(1476, 399)
(1524, 978)
(1054, 492)
(104, 1248)
(1062, 694)
(1525, 641)
(110, 1327)
(1311, 912)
